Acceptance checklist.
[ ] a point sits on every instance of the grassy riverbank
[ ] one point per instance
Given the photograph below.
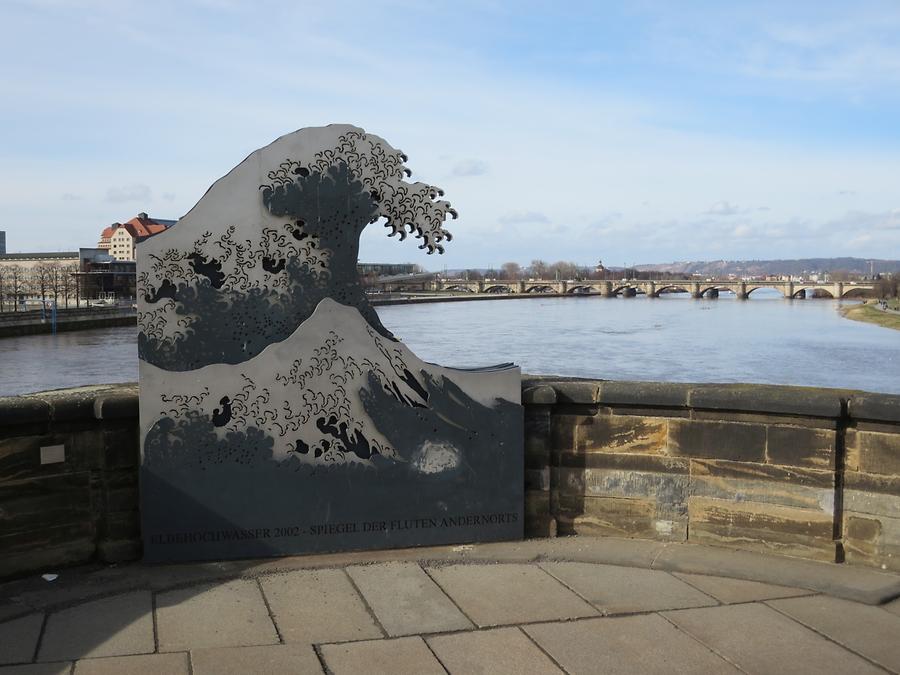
(870, 314)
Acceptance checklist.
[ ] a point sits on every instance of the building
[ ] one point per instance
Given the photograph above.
(2, 242)
(120, 239)
(101, 276)
(385, 269)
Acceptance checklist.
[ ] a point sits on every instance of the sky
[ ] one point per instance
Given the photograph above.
(630, 132)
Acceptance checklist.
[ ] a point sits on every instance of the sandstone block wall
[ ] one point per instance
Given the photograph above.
(805, 472)
(68, 478)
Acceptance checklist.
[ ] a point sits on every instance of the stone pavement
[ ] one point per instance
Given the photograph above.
(567, 605)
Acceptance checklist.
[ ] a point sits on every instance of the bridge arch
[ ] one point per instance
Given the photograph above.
(497, 288)
(672, 287)
(465, 288)
(539, 288)
(582, 289)
(856, 292)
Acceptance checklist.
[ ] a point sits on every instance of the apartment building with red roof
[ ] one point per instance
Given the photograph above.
(120, 238)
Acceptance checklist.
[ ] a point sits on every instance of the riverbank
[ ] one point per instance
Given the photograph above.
(35, 322)
(869, 313)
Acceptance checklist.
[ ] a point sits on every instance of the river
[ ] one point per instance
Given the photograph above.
(765, 339)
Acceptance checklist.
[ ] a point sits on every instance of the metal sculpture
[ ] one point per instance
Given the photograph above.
(278, 415)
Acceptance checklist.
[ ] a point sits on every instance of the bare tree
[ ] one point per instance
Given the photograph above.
(41, 281)
(69, 284)
(17, 284)
(510, 270)
(55, 280)
(538, 269)
(3, 275)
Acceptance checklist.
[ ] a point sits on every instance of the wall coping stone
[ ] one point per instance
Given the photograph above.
(769, 398)
(120, 401)
(875, 407)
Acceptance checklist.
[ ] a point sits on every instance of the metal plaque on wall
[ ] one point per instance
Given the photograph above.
(278, 415)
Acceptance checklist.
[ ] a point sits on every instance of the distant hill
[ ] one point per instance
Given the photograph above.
(764, 267)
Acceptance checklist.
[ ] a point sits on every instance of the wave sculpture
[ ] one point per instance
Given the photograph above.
(278, 414)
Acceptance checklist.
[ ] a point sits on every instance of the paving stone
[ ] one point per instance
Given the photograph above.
(406, 600)
(64, 668)
(731, 591)
(499, 651)
(864, 629)
(146, 664)
(893, 607)
(287, 659)
(18, 638)
(620, 590)
(760, 640)
(628, 644)
(231, 614)
(493, 595)
(382, 657)
(122, 624)
(315, 606)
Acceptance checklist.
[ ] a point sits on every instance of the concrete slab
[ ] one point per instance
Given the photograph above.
(760, 640)
(287, 659)
(147, 664)
(865, 630)
(622, 590)
(406, 600)
(18, 638)
(731, 591)
(851, 582)
(122, 624)
(231, 614)
(893, 607)
(63, 668)
(499, 651)
(643, 644)
(318, 606)
(382, 657)
(494, 595)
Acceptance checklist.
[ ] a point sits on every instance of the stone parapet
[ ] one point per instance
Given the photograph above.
(813, 473)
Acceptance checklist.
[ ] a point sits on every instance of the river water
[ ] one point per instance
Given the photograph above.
(765, 339)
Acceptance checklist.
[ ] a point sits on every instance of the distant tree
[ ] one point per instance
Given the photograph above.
(510, 270)
(538, 269)
(563, 270)
(887, 286)
(56, 275)
(41, 281)
(17, 283)
(473, 275)
(69, 284)
(3, 276)
(839, 275)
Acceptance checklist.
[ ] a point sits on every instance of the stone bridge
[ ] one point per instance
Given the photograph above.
(653, 289)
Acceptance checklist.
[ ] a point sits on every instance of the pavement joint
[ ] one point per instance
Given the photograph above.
(365, 602)
(818, 632)
(37, 644)
(696, 639)
(544, 651)
(265, 599)
(450, 598)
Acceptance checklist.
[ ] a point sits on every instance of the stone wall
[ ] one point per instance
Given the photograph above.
(68, 478)
(813, 473)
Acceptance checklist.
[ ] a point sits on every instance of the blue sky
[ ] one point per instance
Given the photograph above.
(628, 132)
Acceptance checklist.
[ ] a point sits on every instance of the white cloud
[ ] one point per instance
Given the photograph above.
(723, 209)
(137, 192)
(518, 217)
(470, 167)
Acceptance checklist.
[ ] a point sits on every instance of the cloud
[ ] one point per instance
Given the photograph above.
(847, 193)
(69, 197)
(722, 209)
(470, 167)
(137, 192)
(168, 196)
(521, 217)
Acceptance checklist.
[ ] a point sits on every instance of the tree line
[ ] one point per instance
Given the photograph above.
(48, 283)
(540, 269)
